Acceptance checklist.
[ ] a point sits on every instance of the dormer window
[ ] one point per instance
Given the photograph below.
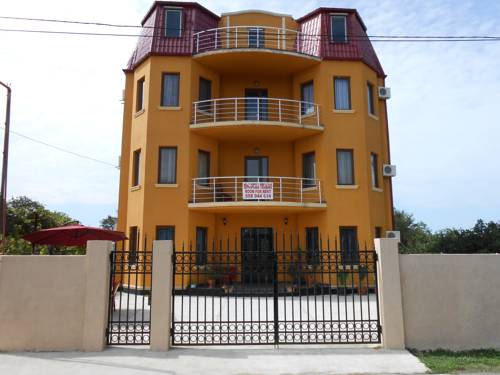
(338, 28)
(173, 23)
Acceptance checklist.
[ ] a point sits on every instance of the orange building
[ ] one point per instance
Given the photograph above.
(252, 124)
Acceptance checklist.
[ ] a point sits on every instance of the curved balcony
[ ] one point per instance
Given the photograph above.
(254, 118)
(254, 193)
(228, 48)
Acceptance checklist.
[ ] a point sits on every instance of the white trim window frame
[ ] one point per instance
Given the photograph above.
(332, 36)
(179, 31)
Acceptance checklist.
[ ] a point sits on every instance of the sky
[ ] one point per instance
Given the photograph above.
(443, 119)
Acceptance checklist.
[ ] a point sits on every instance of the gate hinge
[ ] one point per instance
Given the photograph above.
(380, 328)
(375, 257)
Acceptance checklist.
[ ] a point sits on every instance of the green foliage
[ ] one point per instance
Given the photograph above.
(416, 237)
(25, 216)
(363, 272)
(342, 277)
(109, 222)
(443, 361)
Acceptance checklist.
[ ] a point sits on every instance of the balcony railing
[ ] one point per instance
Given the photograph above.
(256, 189)
(255, 109)
(255, 37)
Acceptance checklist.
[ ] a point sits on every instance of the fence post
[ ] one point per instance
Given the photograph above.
(161, 295)
(390, 299)
(195, 110)
(96, 295)
(236, 109)
(194, 190)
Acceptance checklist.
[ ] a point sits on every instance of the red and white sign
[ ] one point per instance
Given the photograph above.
(257, 191)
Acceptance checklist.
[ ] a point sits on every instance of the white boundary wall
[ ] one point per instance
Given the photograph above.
(451, 301)
(56, 302)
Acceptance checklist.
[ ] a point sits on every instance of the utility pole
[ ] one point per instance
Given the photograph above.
(3, 187)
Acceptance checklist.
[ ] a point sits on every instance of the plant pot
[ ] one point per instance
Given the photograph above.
(341, 290)
(363, 290)
(211, 283)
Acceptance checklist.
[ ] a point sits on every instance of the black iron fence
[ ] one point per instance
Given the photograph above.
(267, 290)
(129, 318)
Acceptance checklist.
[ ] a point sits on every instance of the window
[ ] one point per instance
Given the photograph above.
(201, 246)
(307, 98)
(205, 95)
(378, 232)
(173, 23)
(339, 28)
(203, 167)
(170, 90)
(136, 168)
(349, 245)
(167, 168)
(256, 37)
(374, 165)
(342, 93)
(165, 233)
(312, 246)
(309, 169)
(139, 104)
(345, 167)
(133, 244)
(369, 91)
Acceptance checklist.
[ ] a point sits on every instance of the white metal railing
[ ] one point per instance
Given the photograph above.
(267, 37)
(255, 109)
(256, 189)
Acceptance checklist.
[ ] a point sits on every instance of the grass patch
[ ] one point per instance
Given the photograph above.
(444, 361)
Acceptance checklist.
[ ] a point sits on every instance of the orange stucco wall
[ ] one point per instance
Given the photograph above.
(151, 205)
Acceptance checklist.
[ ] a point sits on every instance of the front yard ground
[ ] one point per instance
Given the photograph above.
(444, 361)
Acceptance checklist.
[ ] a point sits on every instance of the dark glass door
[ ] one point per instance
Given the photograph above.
(349, 245)
(256, 104)
(255, 167)
(257, 255)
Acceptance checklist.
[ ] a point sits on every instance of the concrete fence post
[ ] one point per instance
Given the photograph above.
(389, 283)
(161, 295)
(96, 295)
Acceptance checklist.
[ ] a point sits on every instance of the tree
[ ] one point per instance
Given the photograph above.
(24, 216)
(109, 222)
(416, 237)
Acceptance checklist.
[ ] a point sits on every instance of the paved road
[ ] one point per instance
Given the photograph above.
(294, 360)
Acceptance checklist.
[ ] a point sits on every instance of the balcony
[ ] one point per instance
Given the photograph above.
(255, 118)
(234, 49)
(253, 193)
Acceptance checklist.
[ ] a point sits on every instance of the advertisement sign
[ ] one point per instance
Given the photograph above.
(257, 191)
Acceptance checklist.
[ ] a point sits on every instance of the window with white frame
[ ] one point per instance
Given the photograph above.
(342, 93)
(338, 28)
(173, 23)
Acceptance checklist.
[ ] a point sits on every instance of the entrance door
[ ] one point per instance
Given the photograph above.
(257, 266)
(256, 167)
(256, 104)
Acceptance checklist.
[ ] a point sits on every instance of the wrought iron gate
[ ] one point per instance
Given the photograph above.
(319, 296)
(129, 318)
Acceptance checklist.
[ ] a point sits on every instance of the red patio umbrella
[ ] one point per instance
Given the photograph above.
(73, 235)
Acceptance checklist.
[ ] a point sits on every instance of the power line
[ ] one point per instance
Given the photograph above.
(400, 39)
(304, 36)
(62, 149)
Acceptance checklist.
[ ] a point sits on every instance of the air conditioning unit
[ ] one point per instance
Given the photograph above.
(384, 92)
(389, 170)
(393, 234)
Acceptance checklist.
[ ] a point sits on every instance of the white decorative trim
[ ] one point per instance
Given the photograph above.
(378, 190)
(135, 188)
(163, 108)
(166, 185)
(256, 11)
(373, 116)
(346, 111)
(347, 187)
(138, 113)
